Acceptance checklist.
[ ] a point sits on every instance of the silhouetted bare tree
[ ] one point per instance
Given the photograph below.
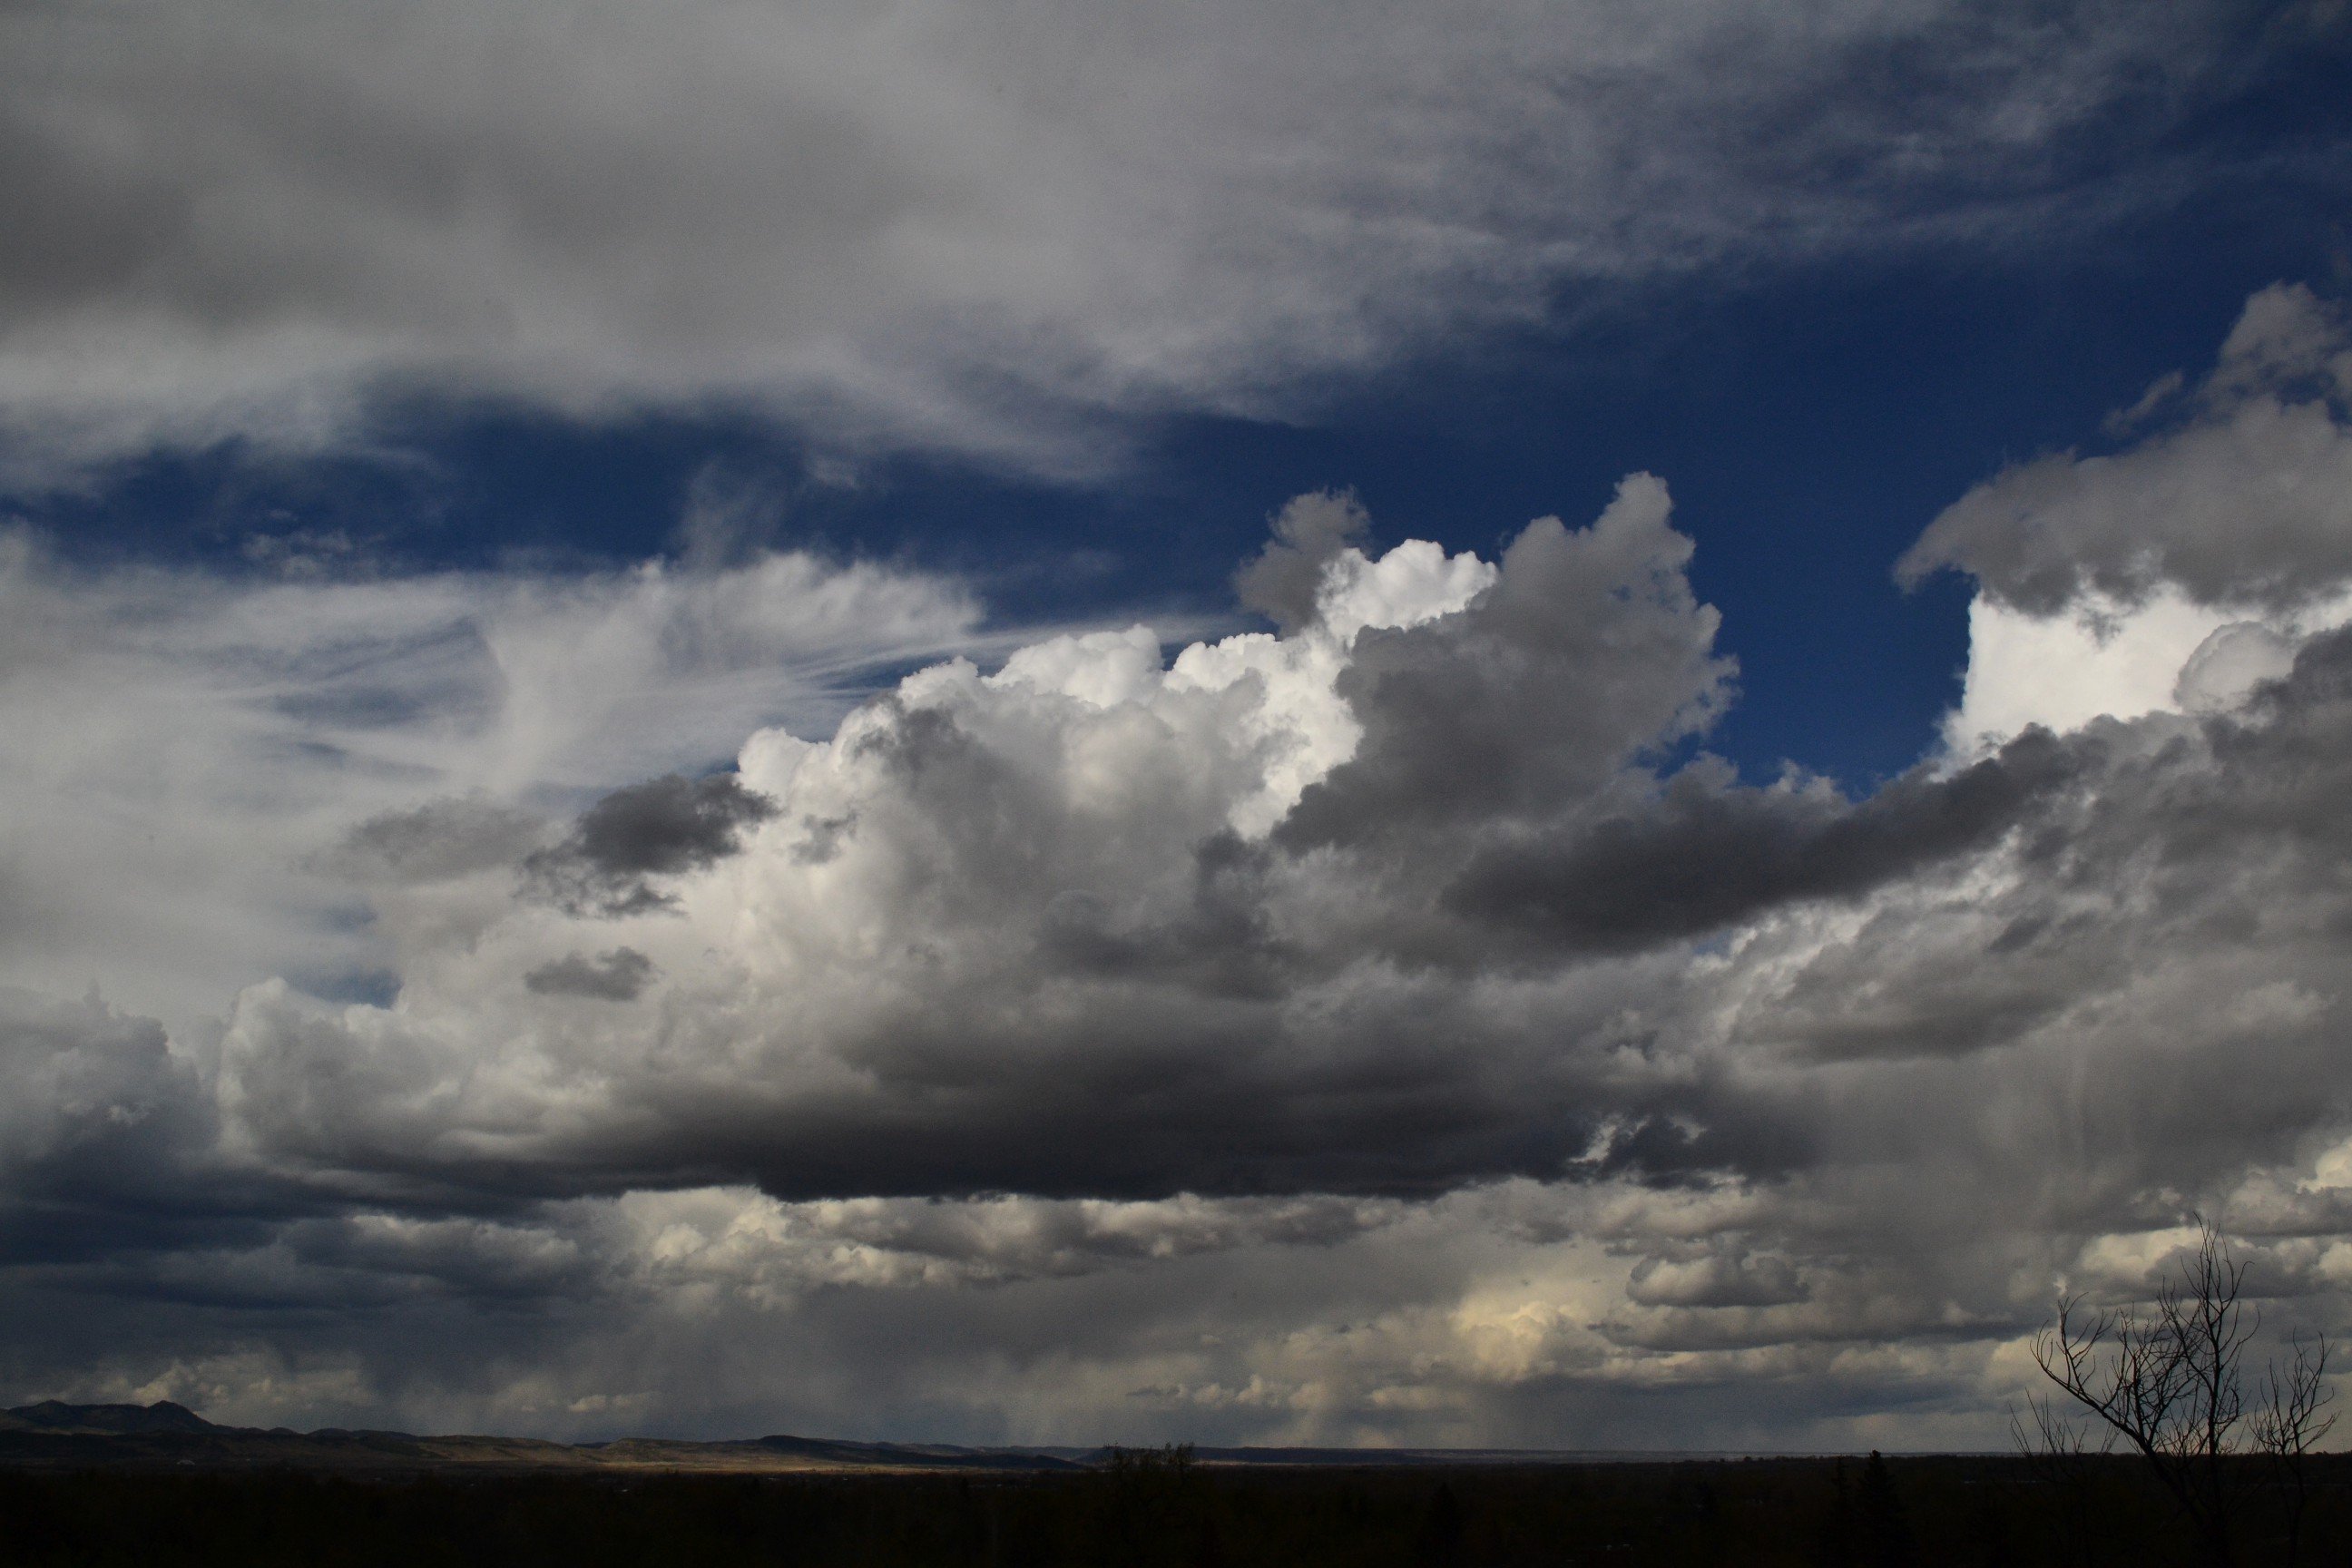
(2172, 1385)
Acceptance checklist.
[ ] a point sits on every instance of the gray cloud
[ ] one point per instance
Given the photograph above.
(659, 828)
(995, 223)
(2248, 503)
(358, 762)
(1706, 852)
(1281, 580)
(440, 839)
(1589, 648)
(95, 1103)
(1038, 958)
(620, 974)
(1714, 1279)
(1362, 1032)
(1080, 992)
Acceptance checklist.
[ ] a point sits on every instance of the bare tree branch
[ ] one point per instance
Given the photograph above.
(2172, 1385)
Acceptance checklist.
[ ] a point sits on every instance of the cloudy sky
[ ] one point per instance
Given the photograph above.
(1507, 724)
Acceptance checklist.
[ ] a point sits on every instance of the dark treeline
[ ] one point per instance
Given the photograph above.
(1153, 1509)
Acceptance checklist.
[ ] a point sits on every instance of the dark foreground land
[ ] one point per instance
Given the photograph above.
(159, 1485)
(1143, 1510)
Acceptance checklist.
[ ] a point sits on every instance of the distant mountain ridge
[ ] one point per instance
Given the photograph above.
(112, 1420)
(55, 1435)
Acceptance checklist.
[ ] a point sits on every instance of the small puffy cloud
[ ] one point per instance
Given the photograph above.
(662, 827)
(1714, 1279)
(621, 975)
(1283, 582)
(2228, 665)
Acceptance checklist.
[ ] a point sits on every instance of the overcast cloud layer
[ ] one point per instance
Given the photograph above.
(984, 228)
(1393, 1027)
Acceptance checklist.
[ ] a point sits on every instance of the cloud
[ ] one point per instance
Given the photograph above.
(1588, 649)
(662, 827)
(1393, 1027)
(441, 839)
(2247, 504)
(213, 778)
(992, 227)
(1708, 853)
(1036, 932)
(1287, 576)
(98, 1107)
(2179, 572)
(2229, 665)
(620, 976)
(1714, 1281)
(1029, 931)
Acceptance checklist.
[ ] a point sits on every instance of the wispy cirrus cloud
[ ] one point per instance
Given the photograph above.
(205, 766)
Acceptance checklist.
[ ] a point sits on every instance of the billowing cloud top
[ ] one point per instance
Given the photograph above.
(1390, 1024)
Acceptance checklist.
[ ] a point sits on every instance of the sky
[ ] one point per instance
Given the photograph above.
(1545, 725)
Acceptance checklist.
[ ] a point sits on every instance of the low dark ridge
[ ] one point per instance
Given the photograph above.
(55, 1416)
(56, 1435)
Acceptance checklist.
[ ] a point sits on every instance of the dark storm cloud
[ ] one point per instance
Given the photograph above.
(1306, 1025)
(621, 975)
(663, 827)
(2284, 763)
(1123, 998)
(1000, 937)
(1221, 944)
(1142, 1093)
(1708, 853)
(391, 1257)
(2211, 848)
(1465, 956)
(91, 1100)
(660, 828)
(108, 1146)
